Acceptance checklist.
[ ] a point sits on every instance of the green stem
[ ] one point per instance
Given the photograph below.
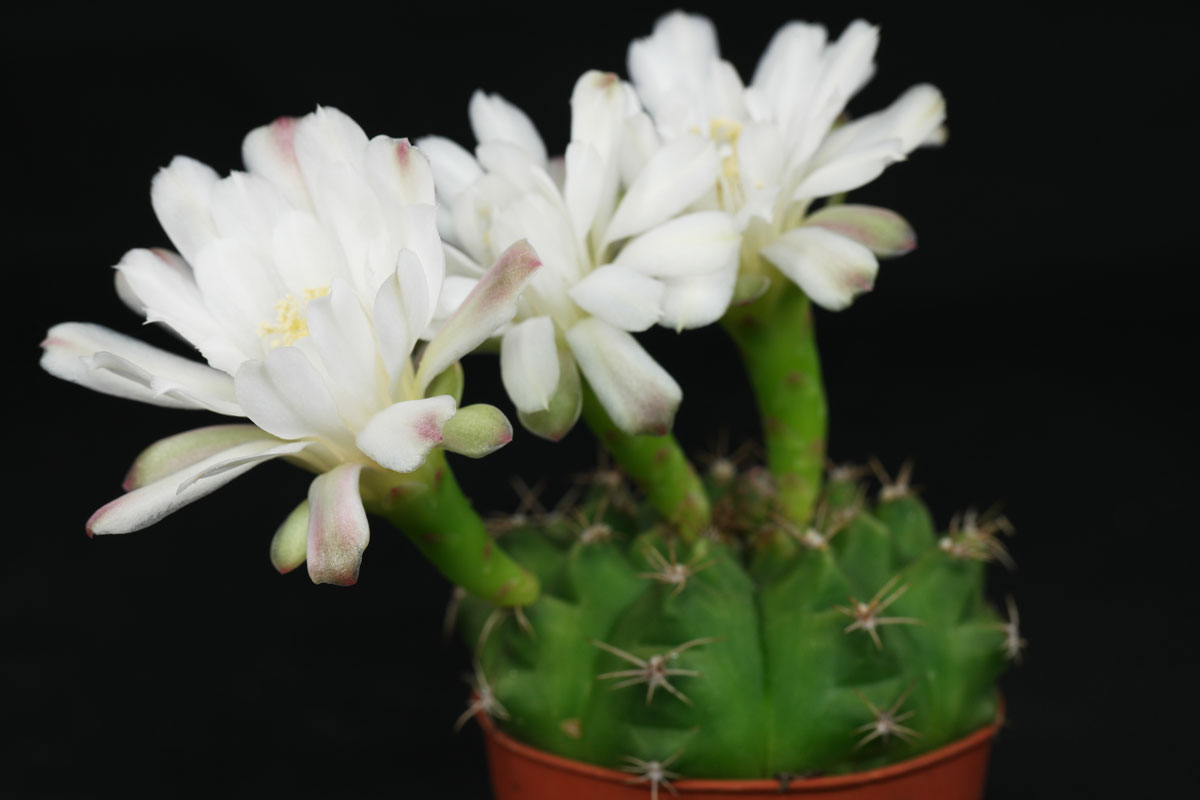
(657, 465)
(431, 509)
(779, 349)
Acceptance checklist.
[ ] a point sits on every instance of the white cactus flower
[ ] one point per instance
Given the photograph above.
(615, 264)
(780, 146)
(305, 283)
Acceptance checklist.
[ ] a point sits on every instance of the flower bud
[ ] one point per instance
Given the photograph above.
(477, 430)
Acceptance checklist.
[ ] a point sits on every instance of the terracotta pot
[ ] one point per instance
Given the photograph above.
(953, 772)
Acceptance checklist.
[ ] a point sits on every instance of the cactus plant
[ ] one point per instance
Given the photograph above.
(763, 644)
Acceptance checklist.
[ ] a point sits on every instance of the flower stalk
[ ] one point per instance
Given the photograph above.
(775, 337)
(658, 466)
(428, 506)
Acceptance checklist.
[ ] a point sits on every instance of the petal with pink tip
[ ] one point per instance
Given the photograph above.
(270, 151)
(109, 362)
(147, 504)
(338, 532)
(401, 436)
(490, 305)
(884, 232)
(831, 269)
(638, 394)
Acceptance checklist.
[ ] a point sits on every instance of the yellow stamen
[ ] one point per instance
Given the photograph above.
(290, 326)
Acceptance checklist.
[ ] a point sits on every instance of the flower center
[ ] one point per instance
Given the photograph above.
(289, 326)
(725, 132)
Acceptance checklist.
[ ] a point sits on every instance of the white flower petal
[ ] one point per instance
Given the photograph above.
(621, 296)
(459, 263)
(585, 183)
(674, 59)
(285, 395)
(638, 143)
(849, 171)
(324, 139)
(342, 336)
(401, 436)
(698, 301)
(672, 179)
(270, 151)
(246, 207)
(148, 504)
(529, 364)
(181, 196)
(239, 289)
(490, 305)
(350, 209)
(454, 168)
(831, 269)
(305, 254)
(402, 310)
(494, 119)
(694, 244)
(455, 290)
(109, 362)
(638, 394)
(399, 173)
(167, 290)
(600, 105)
(184, 450)
(338, 531)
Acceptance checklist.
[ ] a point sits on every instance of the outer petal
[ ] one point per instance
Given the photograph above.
(639, 395)
(676, 57)
(694, 244)
(109, 362)
(565, 405)
(831, 269)
(181, 195)
(289, 545)
(529, 364)
(699, 300)
(183, 450)
(494, 119)
(671, 180)
(490, 305)
(400, 436)
(270, 151)
(338, 532)
(284, 395)
(884, 232)
(148, 504)
(621, 296)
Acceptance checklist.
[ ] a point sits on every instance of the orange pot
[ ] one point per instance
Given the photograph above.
(953, 772)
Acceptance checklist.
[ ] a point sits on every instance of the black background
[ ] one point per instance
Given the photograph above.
(1034, 350)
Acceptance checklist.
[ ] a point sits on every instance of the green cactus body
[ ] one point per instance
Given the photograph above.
(782, 685)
